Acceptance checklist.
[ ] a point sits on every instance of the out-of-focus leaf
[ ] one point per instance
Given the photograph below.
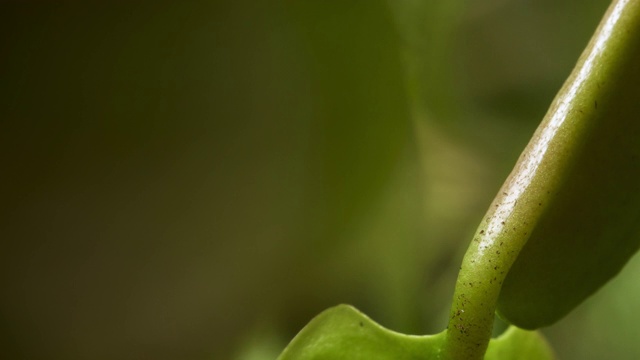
(358, 113)
(180, 158)
(427, 30)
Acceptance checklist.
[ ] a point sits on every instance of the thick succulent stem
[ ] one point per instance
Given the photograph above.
(529, 189)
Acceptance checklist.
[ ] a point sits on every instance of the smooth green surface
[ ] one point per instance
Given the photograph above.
(343, 332)
(580, 232)
(570, 202)
(577, 185)
(165, 166)
(135, 231)
(518, 344)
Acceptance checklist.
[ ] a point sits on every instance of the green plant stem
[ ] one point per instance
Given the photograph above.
(530, 188)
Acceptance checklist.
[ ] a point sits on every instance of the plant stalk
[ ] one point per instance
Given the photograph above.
(529, 190)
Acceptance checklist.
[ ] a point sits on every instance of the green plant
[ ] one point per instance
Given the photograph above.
(549, 240)
(197, 179)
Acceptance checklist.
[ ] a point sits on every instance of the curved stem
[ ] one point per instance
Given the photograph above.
(527, 192)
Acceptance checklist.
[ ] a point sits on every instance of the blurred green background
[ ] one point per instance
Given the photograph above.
(196, 180)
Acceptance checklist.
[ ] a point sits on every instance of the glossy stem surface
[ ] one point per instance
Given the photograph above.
(537, 175)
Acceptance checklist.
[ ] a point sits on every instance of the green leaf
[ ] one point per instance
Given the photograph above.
(343, 332)
(518, 344)
(574, 195)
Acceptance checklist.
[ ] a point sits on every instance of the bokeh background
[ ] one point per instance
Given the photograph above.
(198, 179)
